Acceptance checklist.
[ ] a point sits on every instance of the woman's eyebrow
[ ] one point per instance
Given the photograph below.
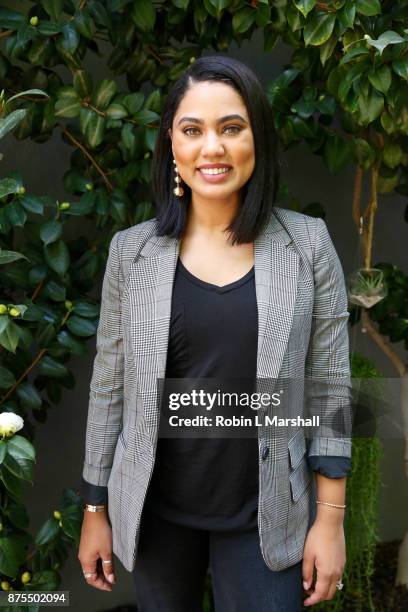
(220, 120)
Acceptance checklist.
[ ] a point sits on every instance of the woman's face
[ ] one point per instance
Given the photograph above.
(211, 129)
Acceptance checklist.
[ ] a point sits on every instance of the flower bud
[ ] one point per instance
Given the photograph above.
(60, 523)
(68, 304)
(146, 155)
(192, 59)
(21, 190)
(34, 20)
(88, 186)
(5, 585)
(3, 309)
(10, 423)
(64, 205)
(57, 515)
(14, 312)
(26, 577)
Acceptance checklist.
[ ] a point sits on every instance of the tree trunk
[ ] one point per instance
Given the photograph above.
(402, 569)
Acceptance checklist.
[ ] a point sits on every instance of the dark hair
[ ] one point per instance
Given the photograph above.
(259, 192)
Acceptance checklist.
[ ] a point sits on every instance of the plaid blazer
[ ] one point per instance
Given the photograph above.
(302, 332)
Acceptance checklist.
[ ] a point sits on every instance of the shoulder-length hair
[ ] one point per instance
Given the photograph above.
(259, 192)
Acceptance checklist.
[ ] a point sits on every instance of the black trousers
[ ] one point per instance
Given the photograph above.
(172, 562)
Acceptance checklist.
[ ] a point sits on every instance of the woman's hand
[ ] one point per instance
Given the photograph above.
(325, 549)
(95, 545)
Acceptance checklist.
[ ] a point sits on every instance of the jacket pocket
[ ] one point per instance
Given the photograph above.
(297, 448)
(299, 479)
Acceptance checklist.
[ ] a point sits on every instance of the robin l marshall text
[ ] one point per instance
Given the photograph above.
(240, 421)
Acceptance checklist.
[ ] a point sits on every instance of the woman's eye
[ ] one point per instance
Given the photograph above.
(235, 129)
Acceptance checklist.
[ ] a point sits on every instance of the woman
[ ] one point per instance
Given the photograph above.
(223, 284)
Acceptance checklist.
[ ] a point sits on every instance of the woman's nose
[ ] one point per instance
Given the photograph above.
(212, 145)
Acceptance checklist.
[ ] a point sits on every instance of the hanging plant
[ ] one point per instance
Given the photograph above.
(366, 287)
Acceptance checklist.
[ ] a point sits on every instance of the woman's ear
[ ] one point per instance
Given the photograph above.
(169, 133)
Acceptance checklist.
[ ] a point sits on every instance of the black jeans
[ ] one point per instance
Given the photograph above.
(172, 562)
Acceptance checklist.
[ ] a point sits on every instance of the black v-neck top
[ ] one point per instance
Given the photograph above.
(211, 483)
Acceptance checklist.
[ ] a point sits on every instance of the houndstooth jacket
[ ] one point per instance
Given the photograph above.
(302, 332)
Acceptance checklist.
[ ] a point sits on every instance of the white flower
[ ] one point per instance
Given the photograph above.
(10, 423)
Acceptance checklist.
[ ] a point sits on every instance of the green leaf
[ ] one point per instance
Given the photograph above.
(392, 154)
(81, 327)
(17, 515)
(104, 93)
(13, 551)
(346, 15)
(319, 28)
(144, 117)
(10, 19)
(11, 482)
(380, 78)
(84, 24)
(3, 450)
(133, 102)
(144, 15)
(356, 52)
(95, 130)
(303, 108)
(305, 6)
(21, 448)
(55, 291)
(84, 206)
(52, 368)
(54, 8)
(9, 337)
(32, 204)
(85, 309)
(83, 83)
(66, 107)
(9, 256)
(7, 186)
(400, 67)
(67, 341)
(387, 38)
(8, 123)
(21, 469)
(7, 378)
(50, 231)
(242, 20)
(15, 213)
(364, 153)
(48, 532)
(71, 522)
(336, 153)
(29, 396)
(57, 256)
(368, 7)
(4, 322)
(69, 40)
(116, 111)
(370, 106)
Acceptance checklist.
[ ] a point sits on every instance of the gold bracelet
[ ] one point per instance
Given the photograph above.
(330, 504)
(92, 508)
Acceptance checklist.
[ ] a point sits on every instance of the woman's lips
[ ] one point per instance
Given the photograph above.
(214, 178)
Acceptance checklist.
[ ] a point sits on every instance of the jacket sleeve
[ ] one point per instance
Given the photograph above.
(327, 368)
(106, 388)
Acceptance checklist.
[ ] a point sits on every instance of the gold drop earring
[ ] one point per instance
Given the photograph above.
(178, 190)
